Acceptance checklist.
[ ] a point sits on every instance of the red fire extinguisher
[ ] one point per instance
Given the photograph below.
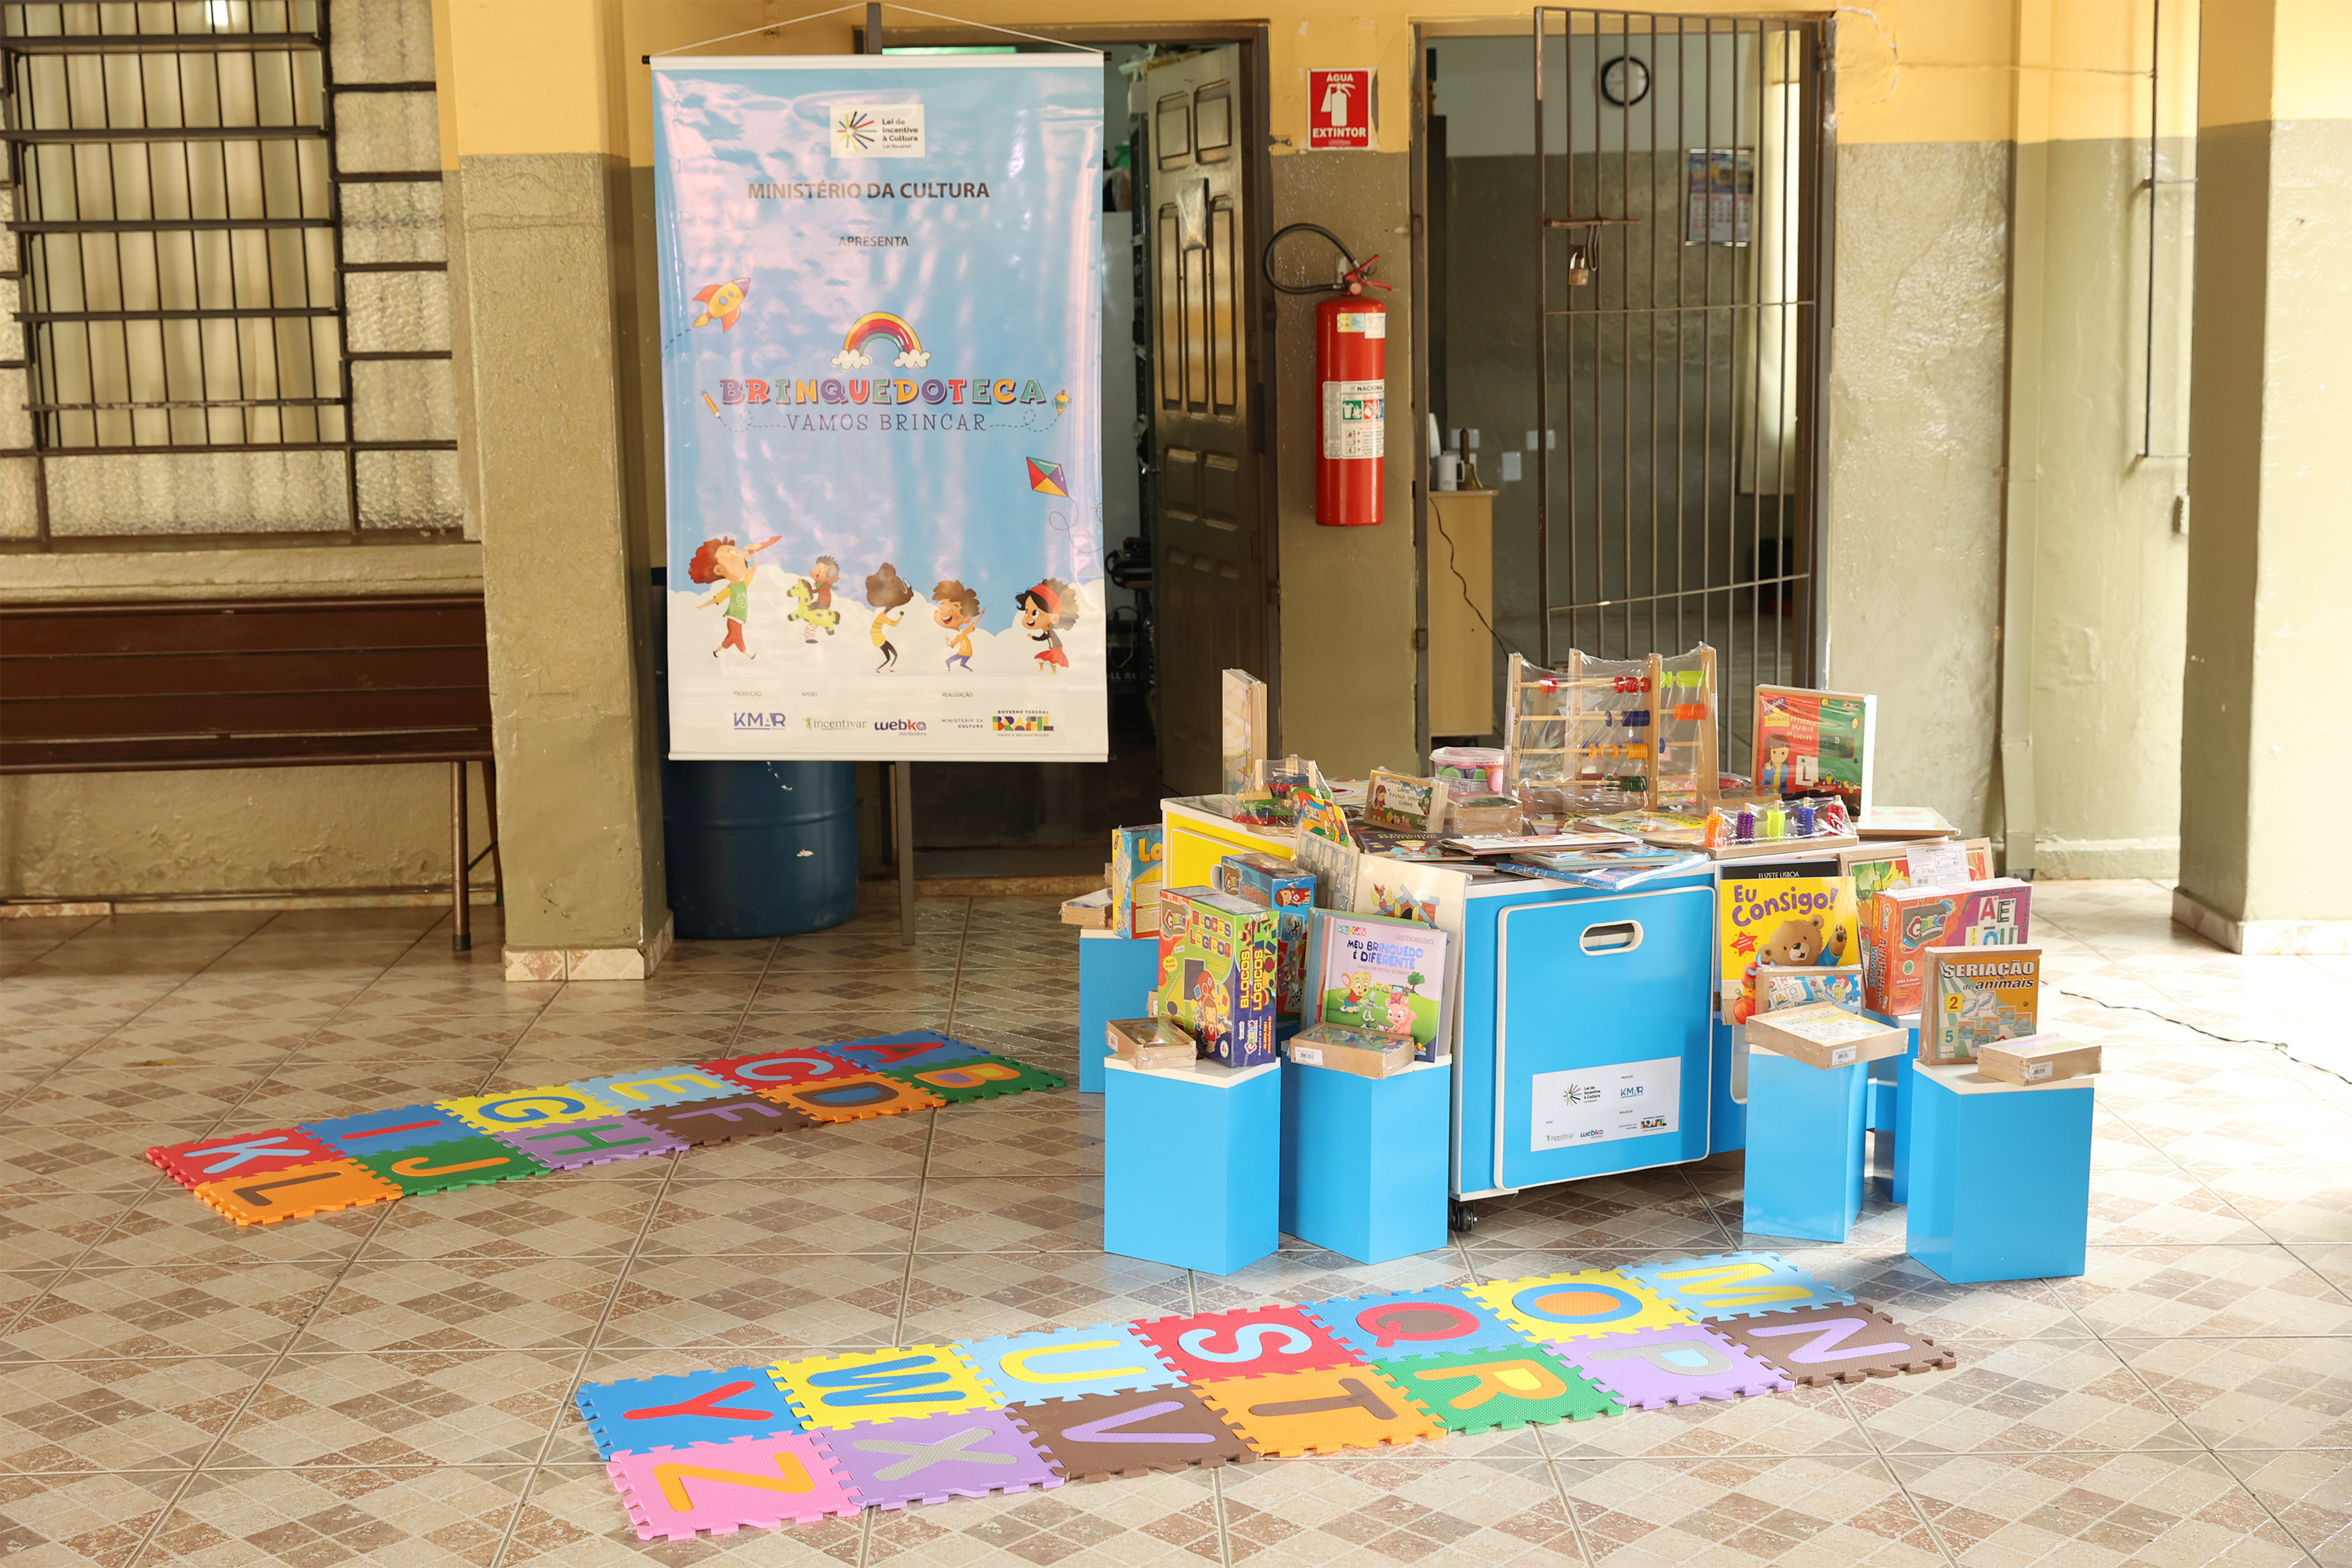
(1351, 336)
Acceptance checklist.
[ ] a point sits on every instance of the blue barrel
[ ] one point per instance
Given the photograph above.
(754, 848)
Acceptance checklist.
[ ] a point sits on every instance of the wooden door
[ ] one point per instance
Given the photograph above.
(1209, 556)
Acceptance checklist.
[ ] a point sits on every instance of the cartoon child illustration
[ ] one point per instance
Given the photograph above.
(722, 558)
(887, 591)
(956, 610)
(1778, 775)
(813, 600)
(1049, 610)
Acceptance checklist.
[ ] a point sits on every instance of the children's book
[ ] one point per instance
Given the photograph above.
(1244, 728)
(1609, 868)
(1539, 842)
(1793, 922)
(1777, 987)
(1404, 804)
(1370, 971)
(1135, 856)
(1899, 927)
(1815, 743)
(1977, 996)
(1666, 830)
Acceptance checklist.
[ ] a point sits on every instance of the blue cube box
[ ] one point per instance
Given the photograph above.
(1805, 1127)
(1364, 1159)
(1116, 974)
(2000, 1175)
(1892, 1075)
(1192, 1165)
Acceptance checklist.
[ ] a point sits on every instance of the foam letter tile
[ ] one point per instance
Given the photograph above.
(853, 1098)
(639, 1414)
(1066, 1363)
(1568, 1306)
(476, 1162)
(1736, 1284)
(882, 1385)
(291, 1192)
(1208, 1347)
(1479, 1391)
(713, 1121)
(1318, 1411)
(880, 1051)
(931, 1458)
(245, 1154)
(575, 1146)
(782, 1069)
(1681, 1365)
(402, 1127)
(976, 1077)
(634, 1091)
(1414, 1324)
(1106, 1434)
(1831, 1344)
(521, 1108)
(763, 1482)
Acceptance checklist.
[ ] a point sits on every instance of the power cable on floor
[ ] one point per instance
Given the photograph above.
(2281, 1046)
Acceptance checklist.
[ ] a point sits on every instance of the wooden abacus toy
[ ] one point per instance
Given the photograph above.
(1612, 735)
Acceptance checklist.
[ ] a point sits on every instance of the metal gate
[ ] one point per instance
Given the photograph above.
(1680, 345)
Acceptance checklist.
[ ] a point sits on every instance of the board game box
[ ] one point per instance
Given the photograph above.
(1815, 743)
(1978, 996)
(1289, 891)
(1898, 928)
(1135, 858)
(1216, 974)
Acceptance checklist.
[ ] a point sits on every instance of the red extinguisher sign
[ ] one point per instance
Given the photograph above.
(1340, 109)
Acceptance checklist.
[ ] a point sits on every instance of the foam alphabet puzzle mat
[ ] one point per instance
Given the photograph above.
(806, 1438)
(468, 1141)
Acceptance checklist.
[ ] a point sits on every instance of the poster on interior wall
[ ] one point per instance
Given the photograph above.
(1722, 195)
(880, 330)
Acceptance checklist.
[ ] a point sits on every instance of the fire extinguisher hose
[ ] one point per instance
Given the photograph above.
(1351, 280)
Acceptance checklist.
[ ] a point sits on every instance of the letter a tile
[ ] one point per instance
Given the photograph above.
(931, 1458)
(763, 1482)
(1319, 1411)
(1106, 1434)
(636, 1416)
(290, 1194)
(882, 1385)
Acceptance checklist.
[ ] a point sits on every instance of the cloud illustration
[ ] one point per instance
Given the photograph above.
(850, 359)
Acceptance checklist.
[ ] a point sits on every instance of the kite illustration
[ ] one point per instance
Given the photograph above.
(1046, 477)
(722, 302)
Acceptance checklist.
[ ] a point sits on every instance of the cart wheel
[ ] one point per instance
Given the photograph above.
(1460, 1217)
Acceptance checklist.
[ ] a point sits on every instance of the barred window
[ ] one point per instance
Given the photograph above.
(234, 313)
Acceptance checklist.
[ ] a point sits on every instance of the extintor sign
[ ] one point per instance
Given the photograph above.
(1340, 109)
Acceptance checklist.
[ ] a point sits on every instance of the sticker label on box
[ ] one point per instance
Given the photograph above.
(1309, 1056)
(1842, 1056)
(2036, 1071)
(1598, 1105)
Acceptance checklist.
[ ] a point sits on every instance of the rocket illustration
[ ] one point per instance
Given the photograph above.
(722, 302)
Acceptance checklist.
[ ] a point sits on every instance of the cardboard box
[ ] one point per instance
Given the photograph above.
(1897, 927)
(1824, 1034)
(1217, 956)
(1136, 855)
(1288, 890)
(1155, 1045)
(1089, 910)
(1795, 985)
(1482, 814)
(2039, 1058)
(1366, 1052)
(1978, 996)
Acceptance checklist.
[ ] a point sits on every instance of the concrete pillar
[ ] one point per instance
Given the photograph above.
(542, 317)
(2266, 747)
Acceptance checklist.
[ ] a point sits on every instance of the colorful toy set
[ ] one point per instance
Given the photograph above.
(1290, 892)
(1777, 828)
(405, 1151)
(1611, 734)
(1217, 961)
(1903, 925)
(797, 1440)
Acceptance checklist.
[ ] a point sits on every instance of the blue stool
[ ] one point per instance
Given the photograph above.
(1890, 1100)
(2000, 1175)
(1192, 1165)
(1116, 974)
(1364, 1159)
(1805, 1127)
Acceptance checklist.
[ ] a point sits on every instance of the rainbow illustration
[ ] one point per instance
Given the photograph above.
(880, 323)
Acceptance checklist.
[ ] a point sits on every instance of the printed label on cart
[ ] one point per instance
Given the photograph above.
(1594, 1105)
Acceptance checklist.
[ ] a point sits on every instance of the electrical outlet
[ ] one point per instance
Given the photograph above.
(1510, 466)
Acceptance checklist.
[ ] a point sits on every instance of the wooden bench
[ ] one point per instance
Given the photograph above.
(257, 683)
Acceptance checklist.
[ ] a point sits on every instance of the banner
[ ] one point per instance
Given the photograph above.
(881, 342)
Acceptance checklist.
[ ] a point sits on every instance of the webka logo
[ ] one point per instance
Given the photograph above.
(902, 726)
(759, 721)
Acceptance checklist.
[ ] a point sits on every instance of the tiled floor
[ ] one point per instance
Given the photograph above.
(393, 1383)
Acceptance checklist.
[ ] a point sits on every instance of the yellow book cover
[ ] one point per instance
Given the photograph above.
(1789, 922)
